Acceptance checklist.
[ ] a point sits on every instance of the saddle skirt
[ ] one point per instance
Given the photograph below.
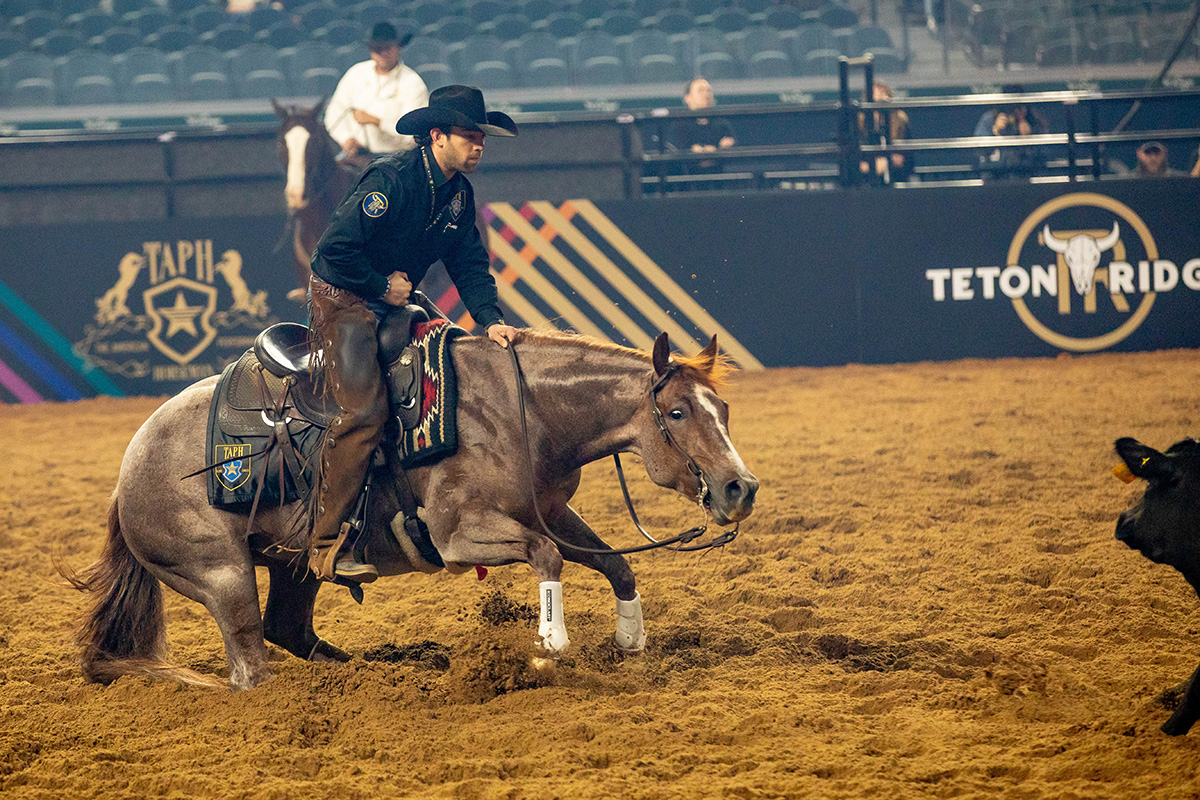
(269, 400)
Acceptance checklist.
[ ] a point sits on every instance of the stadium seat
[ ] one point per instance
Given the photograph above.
(310, 67)
(538, 9)
(481, 11)
(9, 43)
(147, 21)
(702, 8)
(228, 36)
(10, 9)
(201, 73)
(1020, 41)
(67, 8)
(429, 57)
(90, 23)
(815, 36)
(144, 76)
(116, 40)
(836, 15)
(257, 72)
(58, 43)
(765, 53)
(86, 78)
(620, 22)
(451, 29)
(427, 12)
(506, 27)
(673, 20)
(181, 7)
(315, 16)
(340, 32)
(348, 55)
(367, 14)
(171, 38)
(784, 18)
(869, 38)
(263, 17)
(657, 68)
(482, 62)
(281, 35)
(1116, 44)
(31, 80)
(34, 25)
(730, 19)
(598, 60)
(756, 6)
(709, 54)
(593, 9)
(540, 60)
(561, 24)
(204, 19)
(821, 61)
(123, 7)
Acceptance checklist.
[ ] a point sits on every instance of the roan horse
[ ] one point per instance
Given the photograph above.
(316, 182)
(583, 400)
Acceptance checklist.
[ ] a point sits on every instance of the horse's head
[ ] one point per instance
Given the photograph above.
(685, 437)
(303, 148)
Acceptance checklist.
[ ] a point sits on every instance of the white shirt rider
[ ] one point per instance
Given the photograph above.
(372, 96)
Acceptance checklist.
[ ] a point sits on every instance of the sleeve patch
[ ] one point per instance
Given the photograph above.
(374, 204)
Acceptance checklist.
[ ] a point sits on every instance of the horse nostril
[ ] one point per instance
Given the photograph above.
(738, 492)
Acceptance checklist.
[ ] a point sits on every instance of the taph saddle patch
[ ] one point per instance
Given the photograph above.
(232, 474)
(456, 204)
(375, 204)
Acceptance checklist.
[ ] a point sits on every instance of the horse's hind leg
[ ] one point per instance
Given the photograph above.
(570, 527)
(288, 618)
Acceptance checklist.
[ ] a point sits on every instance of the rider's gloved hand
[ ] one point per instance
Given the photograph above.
(501, 334)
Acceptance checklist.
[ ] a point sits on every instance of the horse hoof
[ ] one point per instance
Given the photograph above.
(628, 645)
(324, 651)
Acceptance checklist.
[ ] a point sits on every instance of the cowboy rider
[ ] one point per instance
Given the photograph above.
(408, 210)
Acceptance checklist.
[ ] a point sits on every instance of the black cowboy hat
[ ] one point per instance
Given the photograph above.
(384, 34)
(460, 106)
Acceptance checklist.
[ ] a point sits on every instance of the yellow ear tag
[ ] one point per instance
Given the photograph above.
(1121, 472)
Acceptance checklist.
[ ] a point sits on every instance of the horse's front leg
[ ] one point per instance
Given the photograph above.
(288, 617)
(492, 539)
(630, 635)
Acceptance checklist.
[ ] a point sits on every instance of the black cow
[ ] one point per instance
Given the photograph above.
(1165, 527)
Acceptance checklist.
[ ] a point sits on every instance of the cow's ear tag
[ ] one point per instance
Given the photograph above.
(1121, 472)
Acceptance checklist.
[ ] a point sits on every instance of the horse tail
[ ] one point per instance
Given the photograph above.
(124, 633)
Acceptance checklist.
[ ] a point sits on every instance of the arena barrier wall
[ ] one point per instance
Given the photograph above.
(803, 279)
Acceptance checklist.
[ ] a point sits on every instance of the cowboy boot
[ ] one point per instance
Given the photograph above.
(346, 331)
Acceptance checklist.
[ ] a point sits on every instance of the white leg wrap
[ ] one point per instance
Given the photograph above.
(631, 634)
(551, 630)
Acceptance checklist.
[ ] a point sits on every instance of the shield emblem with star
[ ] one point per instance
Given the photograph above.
(181, 313)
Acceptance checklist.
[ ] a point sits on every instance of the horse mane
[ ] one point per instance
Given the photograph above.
(711, 372)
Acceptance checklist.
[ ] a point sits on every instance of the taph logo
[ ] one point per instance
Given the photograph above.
(1058, 258)
(180, 319)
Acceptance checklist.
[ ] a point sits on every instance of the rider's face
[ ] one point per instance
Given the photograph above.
(386, 58)
(459, 151)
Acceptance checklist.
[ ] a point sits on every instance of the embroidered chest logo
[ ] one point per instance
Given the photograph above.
(456, 205)
(374, 204)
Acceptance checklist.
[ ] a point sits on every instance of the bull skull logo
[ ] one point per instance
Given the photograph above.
(1082, 254)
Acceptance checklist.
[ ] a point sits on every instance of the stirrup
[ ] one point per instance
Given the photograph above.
(352, 569)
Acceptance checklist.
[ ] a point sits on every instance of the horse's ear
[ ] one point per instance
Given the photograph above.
(280, 111)
(708, 356)
(662, 354)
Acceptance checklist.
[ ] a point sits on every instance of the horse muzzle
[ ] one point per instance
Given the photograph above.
(733, 500)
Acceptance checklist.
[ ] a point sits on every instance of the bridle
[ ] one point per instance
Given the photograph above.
(681, 542)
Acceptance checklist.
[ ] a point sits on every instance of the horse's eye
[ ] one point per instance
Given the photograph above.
(677, 414)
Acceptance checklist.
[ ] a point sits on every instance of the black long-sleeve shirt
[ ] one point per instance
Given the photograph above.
(393, 221)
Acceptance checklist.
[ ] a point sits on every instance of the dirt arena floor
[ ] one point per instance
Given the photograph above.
(928, 602)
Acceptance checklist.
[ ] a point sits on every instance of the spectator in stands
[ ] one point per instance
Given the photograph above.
(1195, 173)
(373, 95)
(1016, 119)
(1153, 163)
(889, 127)
(701, 134)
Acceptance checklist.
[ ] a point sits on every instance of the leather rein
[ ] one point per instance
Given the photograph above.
(681, 542)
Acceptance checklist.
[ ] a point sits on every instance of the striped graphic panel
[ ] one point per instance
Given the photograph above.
(571, 267)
